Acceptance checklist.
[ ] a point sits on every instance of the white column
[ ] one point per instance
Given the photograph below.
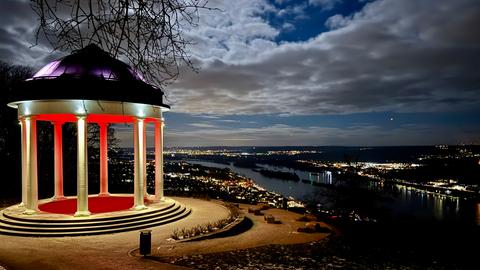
(58, 153)
(23, 155)
(139, 164)
(82, 167)
(145, 193)
(103, 159)
(159, 160)
(31, 165)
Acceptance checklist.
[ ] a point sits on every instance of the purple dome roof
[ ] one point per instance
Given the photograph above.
(89, 61)
(89, 73)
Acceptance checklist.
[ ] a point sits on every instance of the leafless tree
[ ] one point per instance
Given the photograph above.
(147, 33)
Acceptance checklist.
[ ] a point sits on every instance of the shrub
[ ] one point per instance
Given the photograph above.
(183, 233)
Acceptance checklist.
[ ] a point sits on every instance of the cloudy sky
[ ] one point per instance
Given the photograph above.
(316, 72)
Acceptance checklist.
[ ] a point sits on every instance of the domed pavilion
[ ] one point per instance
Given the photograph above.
(90, 87)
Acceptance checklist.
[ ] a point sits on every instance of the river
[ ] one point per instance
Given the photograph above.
(406, 203)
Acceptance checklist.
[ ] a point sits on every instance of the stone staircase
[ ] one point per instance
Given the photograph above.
(18, 225)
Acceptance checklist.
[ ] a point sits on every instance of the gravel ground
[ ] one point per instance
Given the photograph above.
(331, 253)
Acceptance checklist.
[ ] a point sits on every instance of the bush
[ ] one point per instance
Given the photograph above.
(183, 233)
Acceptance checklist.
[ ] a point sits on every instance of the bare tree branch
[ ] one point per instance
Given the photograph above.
(147, 33)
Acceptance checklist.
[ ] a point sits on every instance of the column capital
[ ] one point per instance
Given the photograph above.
(102, 124)
(29, 117)
(160, 122)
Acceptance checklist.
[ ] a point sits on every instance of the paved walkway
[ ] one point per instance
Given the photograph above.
(102, 251)
(112, 251)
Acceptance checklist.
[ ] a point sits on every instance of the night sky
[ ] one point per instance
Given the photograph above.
(317, 72)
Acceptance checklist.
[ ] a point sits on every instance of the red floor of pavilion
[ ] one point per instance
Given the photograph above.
(95, 205)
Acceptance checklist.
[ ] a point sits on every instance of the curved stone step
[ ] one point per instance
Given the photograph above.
(70, 219)
(83, 233)
(83, 223)
(96, 227)
(29, 227)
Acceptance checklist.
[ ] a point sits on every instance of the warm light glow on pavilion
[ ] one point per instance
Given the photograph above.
(101, 90)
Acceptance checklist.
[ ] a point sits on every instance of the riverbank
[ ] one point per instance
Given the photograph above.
(394, 201)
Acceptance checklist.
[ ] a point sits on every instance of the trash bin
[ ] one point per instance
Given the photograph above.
(145, 242)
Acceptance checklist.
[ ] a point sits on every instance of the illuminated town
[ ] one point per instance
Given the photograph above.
(184, 176)
(374, 171)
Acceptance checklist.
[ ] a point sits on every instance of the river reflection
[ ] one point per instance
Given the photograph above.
(422, 204)
(405, 203)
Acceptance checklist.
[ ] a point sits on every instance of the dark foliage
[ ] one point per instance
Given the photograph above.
(10, 77)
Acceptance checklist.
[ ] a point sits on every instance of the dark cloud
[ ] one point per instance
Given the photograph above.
(392, 55)
(18, 25)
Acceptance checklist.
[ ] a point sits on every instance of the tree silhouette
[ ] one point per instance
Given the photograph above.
(10, 77)
(147, 33)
